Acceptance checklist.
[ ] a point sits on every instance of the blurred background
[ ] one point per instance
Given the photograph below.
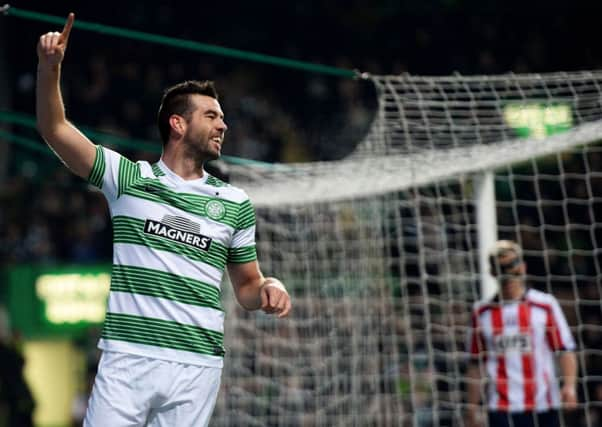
(52, 226)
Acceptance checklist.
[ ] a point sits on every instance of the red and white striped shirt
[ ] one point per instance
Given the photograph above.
(516, 341)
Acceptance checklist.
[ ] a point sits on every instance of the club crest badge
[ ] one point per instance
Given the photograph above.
(215, 210)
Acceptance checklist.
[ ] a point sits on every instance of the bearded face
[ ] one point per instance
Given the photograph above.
(205, 129)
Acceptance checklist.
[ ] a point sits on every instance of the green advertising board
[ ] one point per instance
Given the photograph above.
(48, 301)
(538, 119)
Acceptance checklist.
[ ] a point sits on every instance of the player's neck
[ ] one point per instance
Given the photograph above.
(514, 290)
(182, 164)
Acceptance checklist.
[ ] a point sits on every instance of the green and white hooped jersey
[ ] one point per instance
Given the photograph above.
(172, 239)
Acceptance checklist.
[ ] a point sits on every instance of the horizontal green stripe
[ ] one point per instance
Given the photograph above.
(169, 326)
(162, 333)
(244, 254)
(155, 283)
(149, 334)
(131, 230)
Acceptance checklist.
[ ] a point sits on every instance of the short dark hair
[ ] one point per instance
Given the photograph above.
(176, 100)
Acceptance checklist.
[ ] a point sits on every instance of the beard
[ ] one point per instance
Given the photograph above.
(199, 150)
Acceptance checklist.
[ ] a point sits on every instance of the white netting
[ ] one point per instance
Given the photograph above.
(380, 252)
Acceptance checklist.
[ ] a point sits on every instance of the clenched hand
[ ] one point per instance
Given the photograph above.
(275, 298)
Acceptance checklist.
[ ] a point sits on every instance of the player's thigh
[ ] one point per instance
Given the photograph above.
(117, 400)
(192, 399)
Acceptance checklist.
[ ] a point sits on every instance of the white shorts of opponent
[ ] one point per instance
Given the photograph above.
(131, 390)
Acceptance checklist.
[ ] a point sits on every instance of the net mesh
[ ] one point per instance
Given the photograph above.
(380, 251)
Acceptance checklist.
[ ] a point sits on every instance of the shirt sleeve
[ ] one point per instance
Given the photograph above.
(242, 248)
(112, 173)
(557, 329)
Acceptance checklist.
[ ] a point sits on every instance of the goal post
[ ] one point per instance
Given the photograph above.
(385, 251)
(486, 228)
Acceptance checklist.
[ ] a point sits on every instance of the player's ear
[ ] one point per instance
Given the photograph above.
(177, 123)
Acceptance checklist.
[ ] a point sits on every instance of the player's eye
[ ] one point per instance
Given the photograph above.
(509, 265)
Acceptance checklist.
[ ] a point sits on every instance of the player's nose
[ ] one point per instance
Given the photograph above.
(222, 126)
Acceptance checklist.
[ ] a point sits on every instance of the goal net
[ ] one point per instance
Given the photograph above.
(383, 252)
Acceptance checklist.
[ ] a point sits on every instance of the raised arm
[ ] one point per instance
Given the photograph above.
(69, 144)
(254, 291)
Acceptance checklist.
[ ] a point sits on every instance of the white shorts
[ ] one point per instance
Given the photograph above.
(131, 390)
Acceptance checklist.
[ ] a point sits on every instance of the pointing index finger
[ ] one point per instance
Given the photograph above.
(67, 27)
